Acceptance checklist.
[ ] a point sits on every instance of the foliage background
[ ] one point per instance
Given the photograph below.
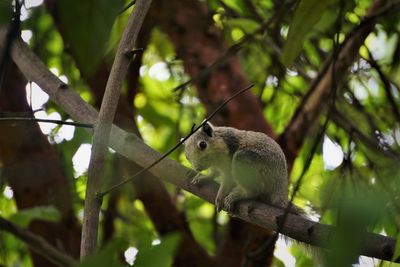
(280, 46)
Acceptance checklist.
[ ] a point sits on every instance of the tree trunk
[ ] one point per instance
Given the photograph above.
(33, 169)
(199, 43)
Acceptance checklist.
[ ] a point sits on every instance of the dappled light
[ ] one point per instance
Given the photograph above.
(108, 107)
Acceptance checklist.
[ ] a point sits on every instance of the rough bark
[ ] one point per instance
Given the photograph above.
(199, 43)
(33, 170)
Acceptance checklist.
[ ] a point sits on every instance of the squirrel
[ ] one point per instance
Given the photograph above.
(250, 165)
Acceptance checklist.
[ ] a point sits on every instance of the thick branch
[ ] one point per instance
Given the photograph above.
(296, 227)
(158, 204)
(309, 111)
(38, 244)
(103, 127)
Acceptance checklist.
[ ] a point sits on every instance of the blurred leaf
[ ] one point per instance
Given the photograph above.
(358, 210)
(246, 25)
(5, 11)
(46, 213)
(158, 255)
(161, 45)
(328, 19)
(238, 6)
(306, 16)
(278, 263)
(44, 32)
(87, 25)
(397, 248)
(200, 215)
(13, 251)
(108, 256)
(301, 253)
(150, 113)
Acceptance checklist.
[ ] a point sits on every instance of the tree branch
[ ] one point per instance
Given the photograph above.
(103, 127)
(60, 122)
(194, 129)
(38, 244)
(128, 145)
(215, 71)
(312, 105)
(348, 125)
(159, 206)
(387, 85)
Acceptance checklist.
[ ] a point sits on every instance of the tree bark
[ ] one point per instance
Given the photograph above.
(33, 170)
(199, 43)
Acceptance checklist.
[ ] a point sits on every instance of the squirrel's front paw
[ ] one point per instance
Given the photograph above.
(229, 203)
(219, 203)
(197, 179)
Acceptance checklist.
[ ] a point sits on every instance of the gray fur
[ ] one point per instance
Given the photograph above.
(231, 141)
(251, 165)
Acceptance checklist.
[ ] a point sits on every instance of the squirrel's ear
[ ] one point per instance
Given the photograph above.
(207, 128)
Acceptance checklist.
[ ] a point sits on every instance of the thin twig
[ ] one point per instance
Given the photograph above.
(60, 122)
(194, 129)
(387, 85)
(348, 125)
(38, 244)
(130, 4)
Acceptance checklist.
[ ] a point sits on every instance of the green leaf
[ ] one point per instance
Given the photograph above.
(301, 254)
(87, 25)
(306, 16)
(152, 115)
(238, 6)
(159, 255)
(396, 254)
(5, 12)
(246, 25)
(108, 256)
(46, 213)
(278, 263)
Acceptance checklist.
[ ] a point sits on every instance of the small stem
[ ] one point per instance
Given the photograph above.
(77, 124)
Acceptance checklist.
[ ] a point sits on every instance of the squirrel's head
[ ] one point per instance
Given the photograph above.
(202, 147)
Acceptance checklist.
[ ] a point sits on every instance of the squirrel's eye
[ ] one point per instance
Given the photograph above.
(202, 145)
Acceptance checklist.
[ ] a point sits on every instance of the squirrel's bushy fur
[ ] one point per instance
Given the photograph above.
(250, 165)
